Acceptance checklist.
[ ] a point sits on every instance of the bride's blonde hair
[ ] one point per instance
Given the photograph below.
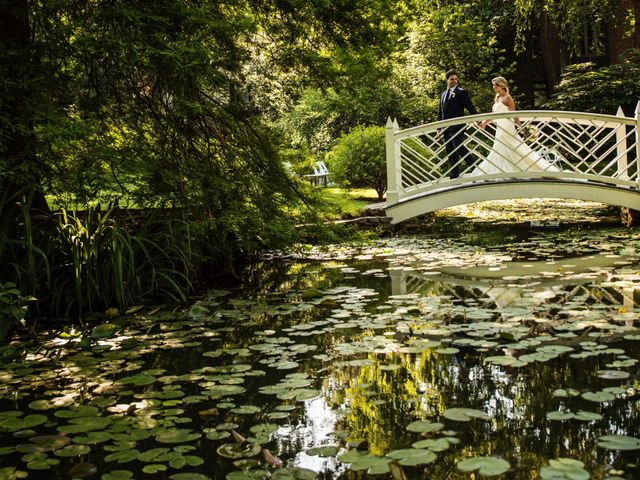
(501, 82)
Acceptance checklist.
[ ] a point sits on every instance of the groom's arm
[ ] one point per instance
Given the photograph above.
(468, 104)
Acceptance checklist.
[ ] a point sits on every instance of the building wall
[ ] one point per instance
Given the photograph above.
(617, 39)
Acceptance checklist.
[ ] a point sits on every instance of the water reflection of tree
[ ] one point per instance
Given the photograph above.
(517, 399)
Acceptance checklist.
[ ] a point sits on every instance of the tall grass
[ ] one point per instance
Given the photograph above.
(80, 262)
(107, 266)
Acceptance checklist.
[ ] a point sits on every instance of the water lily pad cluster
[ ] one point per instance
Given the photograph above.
(342, 369)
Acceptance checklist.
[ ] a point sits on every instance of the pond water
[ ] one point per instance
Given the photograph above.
(425, 357)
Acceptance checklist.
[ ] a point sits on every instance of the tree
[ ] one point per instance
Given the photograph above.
(581, 27)
(586, 87)
(358, 159)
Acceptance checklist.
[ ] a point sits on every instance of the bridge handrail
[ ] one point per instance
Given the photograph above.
(429, 166)
(581, 118)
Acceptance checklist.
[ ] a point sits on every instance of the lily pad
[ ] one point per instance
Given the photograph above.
(564, 468)
(613, 374)
(72, 451)
(326, 451)
(294, 473)
(85, 424)
(248, 474)
(424, 426)
(153, 468)
(117, 475)
(487, 466)
(236, 450)
(619, 442)
(106, 330)
(177, 435)
(465, 415)
(189, 476)
(413, 456)
(598, 396)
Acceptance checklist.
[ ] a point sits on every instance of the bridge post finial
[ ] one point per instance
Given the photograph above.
(393, 161)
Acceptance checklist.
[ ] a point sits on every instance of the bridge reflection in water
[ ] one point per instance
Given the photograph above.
(521, 284)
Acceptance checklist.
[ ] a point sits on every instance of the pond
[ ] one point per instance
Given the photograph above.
(415, 357)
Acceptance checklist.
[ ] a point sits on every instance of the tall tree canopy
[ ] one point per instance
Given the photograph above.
(153, 101)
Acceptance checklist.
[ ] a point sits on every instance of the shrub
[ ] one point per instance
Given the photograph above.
(585, 87)
(358, 159)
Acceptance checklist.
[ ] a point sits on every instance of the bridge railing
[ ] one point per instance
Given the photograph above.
(574, 146)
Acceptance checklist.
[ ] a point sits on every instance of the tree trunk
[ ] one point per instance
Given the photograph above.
(547, 58)
(19, 171)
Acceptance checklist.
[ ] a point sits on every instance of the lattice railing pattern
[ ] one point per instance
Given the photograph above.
(573, 146)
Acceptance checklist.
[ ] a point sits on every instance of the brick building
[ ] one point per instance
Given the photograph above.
(541, 73)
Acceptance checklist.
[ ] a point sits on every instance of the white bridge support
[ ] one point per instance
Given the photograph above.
(593, 157)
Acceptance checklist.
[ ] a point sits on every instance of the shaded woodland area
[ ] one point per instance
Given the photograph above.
(190, 111)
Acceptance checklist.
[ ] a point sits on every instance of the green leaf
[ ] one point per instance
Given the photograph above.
(619, 442)
(464, 414)
(487, 466)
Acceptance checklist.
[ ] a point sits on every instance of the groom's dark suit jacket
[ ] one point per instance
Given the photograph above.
(454, 107)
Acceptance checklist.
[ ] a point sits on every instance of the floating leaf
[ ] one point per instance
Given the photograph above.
(92, 438)
(246, 474)
(327, 451)
(41, 405)
(598, 396)
(560, 416)
(154, 468)
(294, 473)
(123, 456)
(217, 435)
(140, 380)
(224, 390)
(412, 457)
(85, 424)
(72, 451)
(177, 435)
(186, 460)
(80, 470)
(613, 374)
(433, 444)
(424, 426)
(42, 464)
(487, 466)
(106, 330)
(117, 475)
(373, 464)
(564, 468)
(236, 450)
(619, 442)
(465, 415)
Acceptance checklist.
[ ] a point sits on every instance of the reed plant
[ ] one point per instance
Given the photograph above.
(75, 262)
(108, 266)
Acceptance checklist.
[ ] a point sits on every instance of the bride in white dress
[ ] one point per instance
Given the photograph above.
(509, 152)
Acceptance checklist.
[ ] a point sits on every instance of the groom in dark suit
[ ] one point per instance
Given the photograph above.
(453, 101)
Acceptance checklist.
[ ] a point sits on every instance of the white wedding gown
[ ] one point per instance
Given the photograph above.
(509, 152)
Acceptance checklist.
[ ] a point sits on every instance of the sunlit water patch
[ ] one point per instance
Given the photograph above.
(414, 357)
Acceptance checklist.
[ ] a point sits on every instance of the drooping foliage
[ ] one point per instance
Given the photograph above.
(152, 105)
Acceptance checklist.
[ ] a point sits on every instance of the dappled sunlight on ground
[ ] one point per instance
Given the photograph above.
(534, 210)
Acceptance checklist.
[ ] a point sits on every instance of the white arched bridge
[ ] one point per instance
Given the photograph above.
(585, 156)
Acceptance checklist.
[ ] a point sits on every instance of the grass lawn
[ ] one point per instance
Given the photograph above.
(342, 203)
